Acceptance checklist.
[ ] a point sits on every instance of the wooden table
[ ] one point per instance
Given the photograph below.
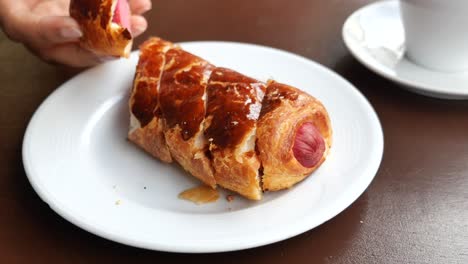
(415, 210)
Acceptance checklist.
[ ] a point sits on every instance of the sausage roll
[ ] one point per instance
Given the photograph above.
(223, 127)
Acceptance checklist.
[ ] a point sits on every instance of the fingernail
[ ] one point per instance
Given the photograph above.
(144, 7)
(139, 29)
(70, 33)
(147, 7)
(107, 58)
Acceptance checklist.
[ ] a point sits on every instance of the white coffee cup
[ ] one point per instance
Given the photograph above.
(436, 33)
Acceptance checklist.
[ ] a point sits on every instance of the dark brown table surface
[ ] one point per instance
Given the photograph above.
(415, 210)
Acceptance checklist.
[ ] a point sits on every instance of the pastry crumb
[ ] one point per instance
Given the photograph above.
(230, 198)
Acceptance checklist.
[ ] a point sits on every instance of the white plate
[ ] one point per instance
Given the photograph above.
(375, 36)
(78, 160)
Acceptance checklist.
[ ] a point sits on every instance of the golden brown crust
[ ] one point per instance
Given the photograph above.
(285, 109)
(147, 128)
(234, 103)
(183, 85)
(190, 157)
(238, 173)
(100, 35)
(151, 139)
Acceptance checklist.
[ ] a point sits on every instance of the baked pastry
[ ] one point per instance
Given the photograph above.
(182, 102)
(224, 127)
(234, 103)
(146, 125)
(294, 136)
(105, 25)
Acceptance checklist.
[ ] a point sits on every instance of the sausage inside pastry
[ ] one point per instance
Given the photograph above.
(293, 136)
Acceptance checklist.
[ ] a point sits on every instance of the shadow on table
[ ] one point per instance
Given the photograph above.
(382, 92)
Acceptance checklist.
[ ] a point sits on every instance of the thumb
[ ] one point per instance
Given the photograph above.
(52, 30)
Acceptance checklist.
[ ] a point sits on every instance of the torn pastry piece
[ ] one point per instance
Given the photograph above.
(234, 104)
(183, 105)
(146, 124)
(293, 136)
(105, 25)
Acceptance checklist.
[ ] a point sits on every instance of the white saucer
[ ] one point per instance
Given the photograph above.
(78, 160)
(375, 36)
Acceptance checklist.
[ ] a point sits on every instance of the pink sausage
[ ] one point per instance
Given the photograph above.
(122, 14)
(309, 145)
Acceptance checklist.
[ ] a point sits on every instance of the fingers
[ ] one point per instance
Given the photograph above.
(71, 54)
(138, 22)
(55, 38)
(47, 31)
(139, 25)
(139, 7)
(51, 30)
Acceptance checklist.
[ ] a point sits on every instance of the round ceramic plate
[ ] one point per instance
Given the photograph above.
(375, 36)
(78, 160)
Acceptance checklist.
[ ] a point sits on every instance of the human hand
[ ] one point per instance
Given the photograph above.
(46, 29)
